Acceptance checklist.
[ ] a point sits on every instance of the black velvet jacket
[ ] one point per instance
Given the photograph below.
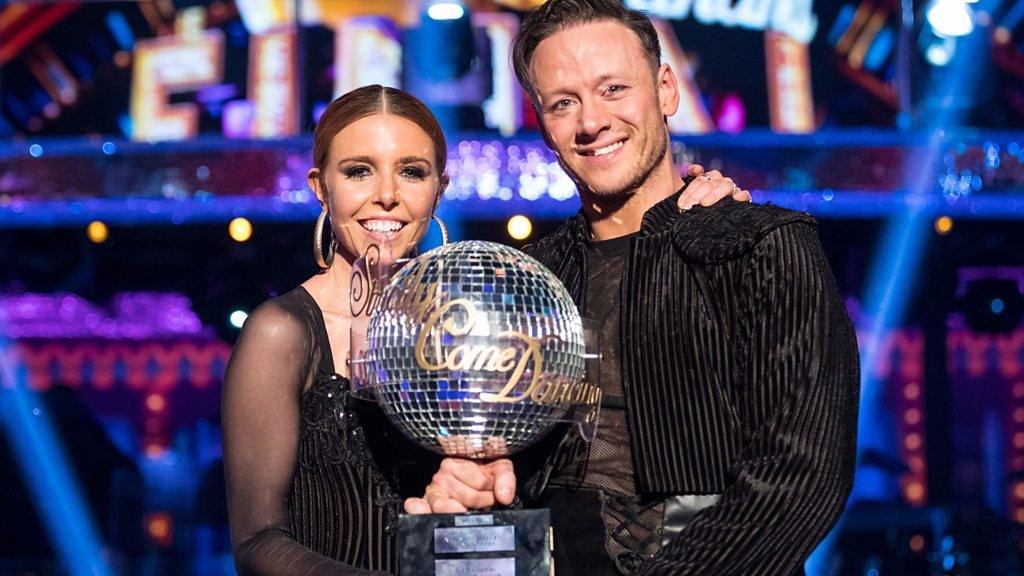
(740, 373)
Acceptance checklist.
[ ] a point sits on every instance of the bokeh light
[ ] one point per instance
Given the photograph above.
(520, 227)
(240, 229)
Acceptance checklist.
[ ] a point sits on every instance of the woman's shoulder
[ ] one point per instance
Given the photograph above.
(274, 350)
(284, 319)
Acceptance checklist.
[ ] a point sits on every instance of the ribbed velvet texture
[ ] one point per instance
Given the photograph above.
(740, 372)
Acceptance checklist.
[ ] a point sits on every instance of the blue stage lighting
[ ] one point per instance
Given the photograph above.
(938, 50)
(121, 30)
(997, 306)
(1013, 16)
(446, 11)
(42, 461)
(881, 48)
(939, 53)
(841, 23)
(894, 273)
(951, 18)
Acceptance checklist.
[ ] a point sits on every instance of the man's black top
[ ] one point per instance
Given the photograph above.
(632, 528)
(740, 378)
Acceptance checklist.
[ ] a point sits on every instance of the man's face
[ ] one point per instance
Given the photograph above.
(601, 106)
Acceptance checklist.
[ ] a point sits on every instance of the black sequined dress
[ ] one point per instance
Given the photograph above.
(315, 476)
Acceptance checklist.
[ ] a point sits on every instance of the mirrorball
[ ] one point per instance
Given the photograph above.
(476, 350)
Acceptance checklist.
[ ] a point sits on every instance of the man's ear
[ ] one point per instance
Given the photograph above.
(668, 90)
(314, 181)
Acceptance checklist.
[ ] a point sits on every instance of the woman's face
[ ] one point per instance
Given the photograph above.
(381, 184)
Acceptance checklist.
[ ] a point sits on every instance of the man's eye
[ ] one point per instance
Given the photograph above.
(615, 89)
(562, 104)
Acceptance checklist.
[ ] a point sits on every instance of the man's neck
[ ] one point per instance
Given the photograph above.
(622, 215)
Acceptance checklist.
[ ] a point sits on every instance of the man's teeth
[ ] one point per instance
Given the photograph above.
(608, 149)
(383, 226)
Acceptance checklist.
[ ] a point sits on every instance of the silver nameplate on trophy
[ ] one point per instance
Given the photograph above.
(476, 567)
(474, 520)
(474, 539)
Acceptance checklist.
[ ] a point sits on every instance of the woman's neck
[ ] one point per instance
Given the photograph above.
(330, 289)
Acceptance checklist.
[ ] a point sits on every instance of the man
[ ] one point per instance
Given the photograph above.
(730, 368)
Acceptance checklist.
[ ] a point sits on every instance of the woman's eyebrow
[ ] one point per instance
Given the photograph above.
(365, 159)
(412, 159)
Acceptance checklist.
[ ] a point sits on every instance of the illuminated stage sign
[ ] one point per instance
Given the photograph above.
(273, 83)
(795, 18)
(367, 51)
(167, 65)
(504, 109)
(791, 106)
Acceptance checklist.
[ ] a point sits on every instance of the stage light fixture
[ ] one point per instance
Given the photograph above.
(519, 227)
(951, 18)
(240, 229)
(446, 11)
(447, 65)
(943, 225)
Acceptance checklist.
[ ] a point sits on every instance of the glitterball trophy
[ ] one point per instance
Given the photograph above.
(475, 350)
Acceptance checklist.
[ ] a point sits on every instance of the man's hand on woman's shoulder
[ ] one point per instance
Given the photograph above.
(709, 188)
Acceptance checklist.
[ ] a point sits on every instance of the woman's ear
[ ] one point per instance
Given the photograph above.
(314, 181)
(442, 185)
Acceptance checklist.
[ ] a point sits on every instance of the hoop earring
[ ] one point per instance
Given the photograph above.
(323, 252)
(444, 229)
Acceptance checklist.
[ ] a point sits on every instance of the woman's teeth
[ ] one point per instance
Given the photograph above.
(382, 226)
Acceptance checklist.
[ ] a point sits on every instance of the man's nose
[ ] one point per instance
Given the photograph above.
(593, 119)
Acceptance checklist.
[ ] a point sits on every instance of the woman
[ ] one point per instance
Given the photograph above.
(303, 492)
(315, 481)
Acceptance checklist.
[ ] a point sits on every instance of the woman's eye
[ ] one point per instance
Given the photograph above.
(414, 173)
(562, 104)
(357, 172)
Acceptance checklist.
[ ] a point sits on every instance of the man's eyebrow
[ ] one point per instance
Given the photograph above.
(563, 90)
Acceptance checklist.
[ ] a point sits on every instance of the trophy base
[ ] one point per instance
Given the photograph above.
(500, 543)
